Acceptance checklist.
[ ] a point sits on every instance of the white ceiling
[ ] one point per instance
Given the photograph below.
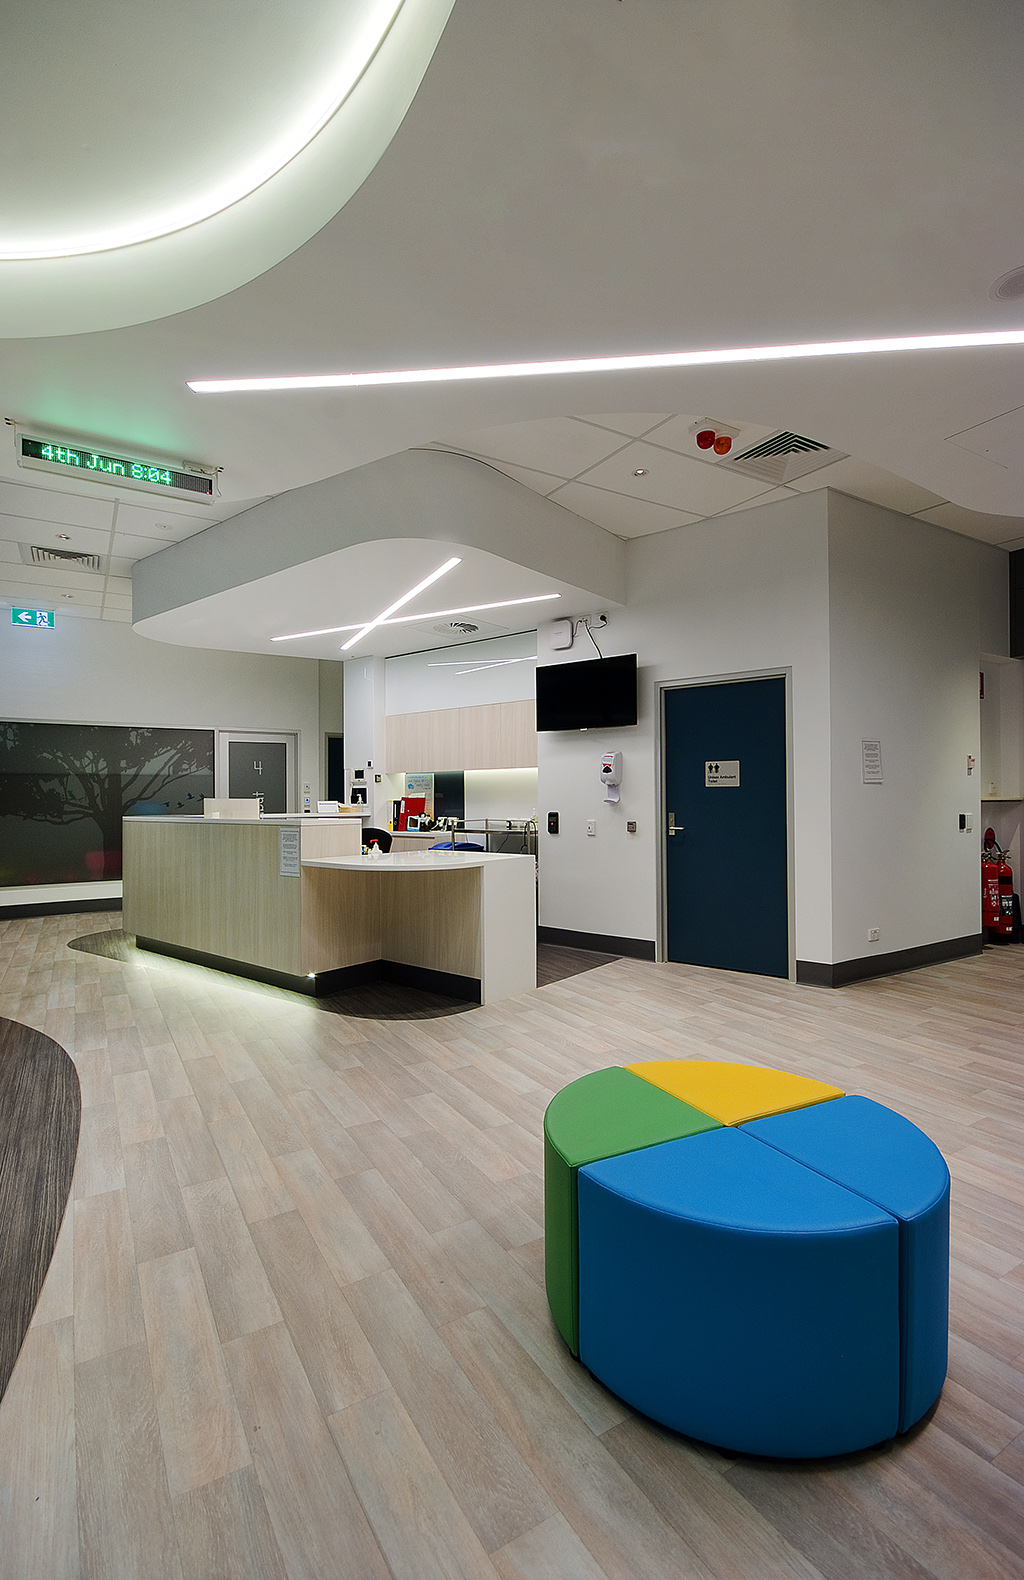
(353, 585)
(573, 180)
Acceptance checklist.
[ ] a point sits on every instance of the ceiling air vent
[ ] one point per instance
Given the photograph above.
(457, 628)
(782, 457)
(62, 559)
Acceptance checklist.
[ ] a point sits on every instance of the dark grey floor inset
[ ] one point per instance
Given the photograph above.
(40, 1114)
(377, 1000)
(367, 1001)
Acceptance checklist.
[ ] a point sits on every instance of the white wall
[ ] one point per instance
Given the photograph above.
(364, 732)
(743, 593)
(877, 617)
(501, 793)
(904, 618)
(500, 669)
(100, 672)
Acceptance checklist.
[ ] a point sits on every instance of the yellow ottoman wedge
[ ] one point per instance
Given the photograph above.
(734, 1094)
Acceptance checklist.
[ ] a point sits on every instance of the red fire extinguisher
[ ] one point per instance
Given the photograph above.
(996, 891)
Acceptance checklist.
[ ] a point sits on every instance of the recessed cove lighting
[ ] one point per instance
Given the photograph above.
(285, 143)
(428, 581)
(406, 619)
(657, 359)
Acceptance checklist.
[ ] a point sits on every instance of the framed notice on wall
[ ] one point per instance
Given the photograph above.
(871, 762)
(289, 852)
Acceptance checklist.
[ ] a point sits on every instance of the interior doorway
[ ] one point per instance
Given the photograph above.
(257, 763)
(726, 833)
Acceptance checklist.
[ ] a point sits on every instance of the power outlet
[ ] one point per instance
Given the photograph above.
(592, 829)
(874, 934)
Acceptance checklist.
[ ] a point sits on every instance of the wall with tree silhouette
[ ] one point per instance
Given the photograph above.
(64, 789)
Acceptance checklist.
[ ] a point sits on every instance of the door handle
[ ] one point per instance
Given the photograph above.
(672, 826)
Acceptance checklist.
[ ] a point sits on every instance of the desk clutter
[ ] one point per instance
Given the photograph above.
(748, 1256)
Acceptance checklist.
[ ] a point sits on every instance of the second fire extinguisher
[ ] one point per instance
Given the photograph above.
(996, 891)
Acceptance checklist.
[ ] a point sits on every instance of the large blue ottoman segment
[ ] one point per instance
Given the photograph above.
(739, 1297)
(883, 1157)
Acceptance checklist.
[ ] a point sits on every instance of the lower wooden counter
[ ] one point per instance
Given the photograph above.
(465, 916)
(214, 891)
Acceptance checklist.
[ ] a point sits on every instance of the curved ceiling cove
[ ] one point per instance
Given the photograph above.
(155, 165)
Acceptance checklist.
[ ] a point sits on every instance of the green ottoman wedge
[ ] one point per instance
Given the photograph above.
(598, 1116)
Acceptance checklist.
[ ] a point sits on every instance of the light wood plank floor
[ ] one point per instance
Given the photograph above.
(295, 1324)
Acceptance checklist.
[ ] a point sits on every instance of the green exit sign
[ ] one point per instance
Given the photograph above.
(37, 617)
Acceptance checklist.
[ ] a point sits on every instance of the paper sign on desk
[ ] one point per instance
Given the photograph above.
(289, 852)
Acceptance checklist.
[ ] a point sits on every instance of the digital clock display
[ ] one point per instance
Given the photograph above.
(81, 458)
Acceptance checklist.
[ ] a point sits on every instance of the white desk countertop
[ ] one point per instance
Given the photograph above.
(413, 861)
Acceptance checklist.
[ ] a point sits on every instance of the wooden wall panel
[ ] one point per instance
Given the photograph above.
(496, 735)
(340, 918)
(214, 886)
(432, 919)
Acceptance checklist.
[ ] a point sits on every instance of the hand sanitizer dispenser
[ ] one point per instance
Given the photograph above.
(611, 775)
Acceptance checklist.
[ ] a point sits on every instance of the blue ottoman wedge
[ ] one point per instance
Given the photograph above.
(749, 1256)
(887, 1160)
(740, 1297)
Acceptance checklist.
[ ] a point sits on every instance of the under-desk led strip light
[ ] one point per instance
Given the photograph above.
(642, 363)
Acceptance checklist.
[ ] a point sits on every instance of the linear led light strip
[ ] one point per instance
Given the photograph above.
(494, 663)
(658, 359)
(434, 614)
(428, 581)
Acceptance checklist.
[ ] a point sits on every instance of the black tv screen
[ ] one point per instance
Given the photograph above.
(597, 694)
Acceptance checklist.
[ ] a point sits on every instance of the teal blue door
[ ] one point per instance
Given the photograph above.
(726, 840)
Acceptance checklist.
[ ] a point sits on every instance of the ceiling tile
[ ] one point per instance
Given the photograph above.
(770, 497)
(33, 576)
(163, 520)
(540, 482)
(871, 483)
(629, 518)
(1000, 439)
(673, 480)
(629, 423)
(55, 535)
(1004, 530)
(36, 595)
(129, 547)
(558, 445)
(45, 504)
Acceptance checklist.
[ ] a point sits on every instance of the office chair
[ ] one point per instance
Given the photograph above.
(379, 837)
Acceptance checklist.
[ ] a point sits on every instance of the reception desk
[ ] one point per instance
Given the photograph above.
(242, 897)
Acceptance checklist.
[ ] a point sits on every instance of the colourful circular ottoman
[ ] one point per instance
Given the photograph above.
(748, 1256)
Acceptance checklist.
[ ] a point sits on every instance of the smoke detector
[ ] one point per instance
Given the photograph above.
(456, 627)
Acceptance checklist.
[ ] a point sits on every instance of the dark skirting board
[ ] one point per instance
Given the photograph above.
(40, 1115)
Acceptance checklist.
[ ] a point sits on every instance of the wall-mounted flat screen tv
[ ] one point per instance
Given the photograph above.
(598, 694)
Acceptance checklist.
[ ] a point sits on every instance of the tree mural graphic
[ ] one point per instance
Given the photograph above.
(67, 774)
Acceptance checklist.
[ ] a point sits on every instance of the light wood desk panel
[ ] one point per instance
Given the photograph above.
(214, 886)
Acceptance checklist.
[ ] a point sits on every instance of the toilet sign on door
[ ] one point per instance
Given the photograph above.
(722, 775)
